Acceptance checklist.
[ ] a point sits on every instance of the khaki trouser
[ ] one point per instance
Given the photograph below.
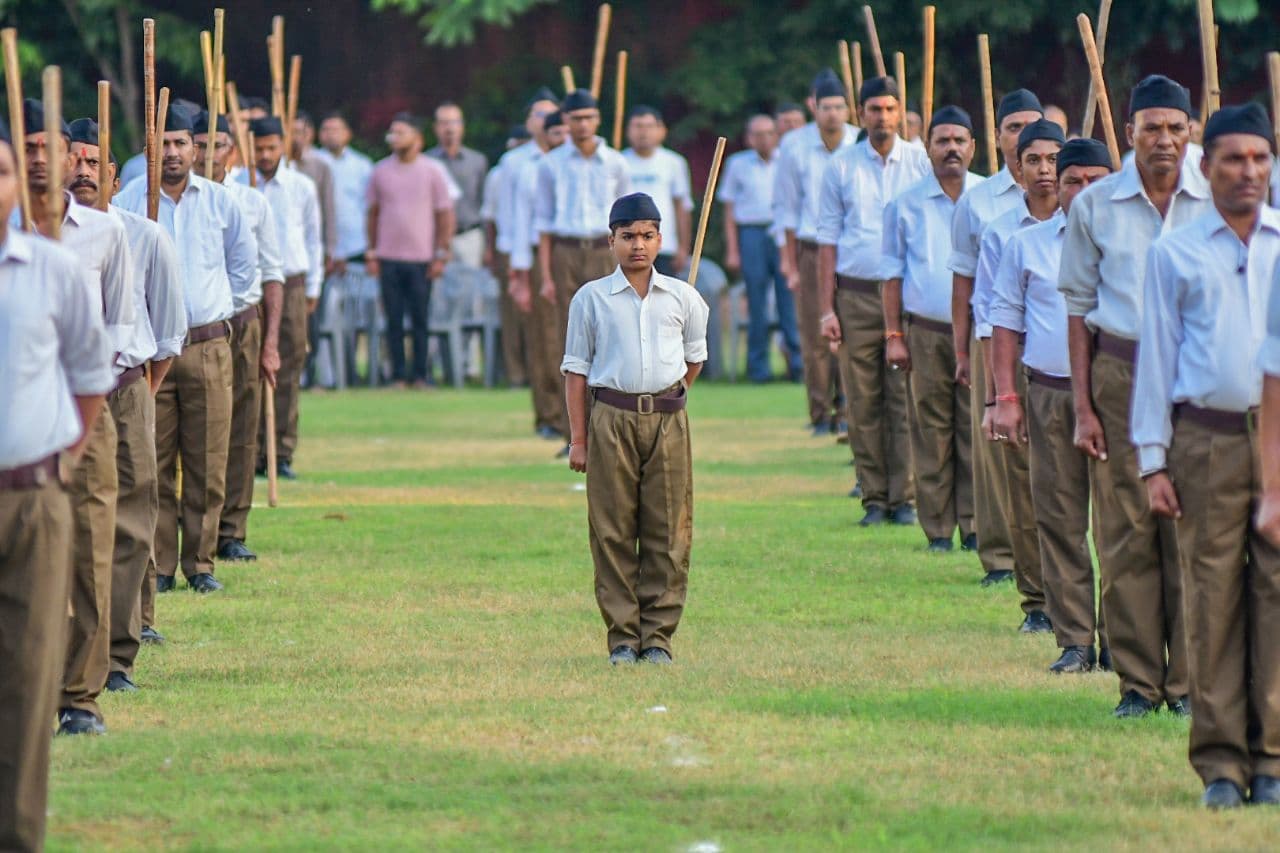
(1232, 581)
(137, 506)
(1137, 553)
(93, 502)
(571, 266)
(941, 447)
(193, 419)
(246, 410)
(990, 481)
(640, 512)
(876, 401)
(147, 598)
(293, 355)
(515, 335)
(1027, 573)
(1060, 498)
(35, 569)
(545, 339)
(821, 372)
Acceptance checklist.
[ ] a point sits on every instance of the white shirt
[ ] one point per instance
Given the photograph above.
(575, 192)
(916, 244)
(747, 184)
(492, 188)
(257, 213)
(216, 249)
(638, 346)
(53, 345)
(160, 317)
(509, 165)
(1025, 295)
(1110, 228)
(975, 210)
(797, 185)
(1204, 323)
(99, 243)
(351, 171)
(994, 237)
(664, 177)
(521, 232)
(296, 205)
(856, 187)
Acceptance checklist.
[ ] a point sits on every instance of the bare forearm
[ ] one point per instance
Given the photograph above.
(544, 256)
(684, 229)
(730, 230)
(789, 250)
(159, 370)
(961, 327)
(1080, 348)
(827, 279)
(446, 225)
(371, 227)
(272, 308)
(1004, 354)
(89, 406)
(691, 373)
(575, 395)
(891, 299)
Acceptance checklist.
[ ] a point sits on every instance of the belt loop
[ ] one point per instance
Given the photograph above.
(640, 404)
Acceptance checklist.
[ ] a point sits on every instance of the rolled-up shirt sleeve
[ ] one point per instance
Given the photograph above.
(988, 262)
(1081, 258)
(830, 205)
(1269, 355)
(544, 203)
(893, 243)
(165, 305)
(786, 192)
(696, 313)
(1007, 308)
(580, 336)
(1152, 413)
(963, 259)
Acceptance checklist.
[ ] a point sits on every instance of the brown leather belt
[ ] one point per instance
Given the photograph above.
(581, 242)
(241, 321)
(1116, 347)
(929, 325)
(646, 404)
(1218, 420)
(31, 476)
(1058, 383)
(858, 285)
(130, 375)
(207, 332)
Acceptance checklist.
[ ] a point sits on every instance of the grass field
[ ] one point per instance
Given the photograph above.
(417, 662)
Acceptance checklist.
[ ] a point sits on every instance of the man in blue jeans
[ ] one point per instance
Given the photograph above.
(746, 191)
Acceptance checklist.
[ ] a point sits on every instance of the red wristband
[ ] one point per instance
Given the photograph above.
(1008, 398)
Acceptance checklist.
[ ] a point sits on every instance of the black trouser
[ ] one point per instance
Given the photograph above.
(406, 287)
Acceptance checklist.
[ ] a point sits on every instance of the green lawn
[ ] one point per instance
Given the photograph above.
(417, 662)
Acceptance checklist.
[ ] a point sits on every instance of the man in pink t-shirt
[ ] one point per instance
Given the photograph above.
(410, 226)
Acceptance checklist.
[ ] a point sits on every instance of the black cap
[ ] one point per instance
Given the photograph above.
(1159, 92)
(201, 123)
(1241, 118)
(826, 85)
(252, 102)
(633, 208)
(83, 130)
(1083, 152)
(788, 107)
(543, 94)
(555, 118)
(1018, 101)
(951, 115)
(578, 99)
(518, 131)
(1041, 128)
(268, 126)
(178, 119)
(878, 87)
(644, 110)
(33, 117)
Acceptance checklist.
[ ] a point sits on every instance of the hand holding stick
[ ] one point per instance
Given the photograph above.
(17, 129)
(707, 198)
(1100, 87)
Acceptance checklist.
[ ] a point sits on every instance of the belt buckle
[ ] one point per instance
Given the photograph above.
(640, 404)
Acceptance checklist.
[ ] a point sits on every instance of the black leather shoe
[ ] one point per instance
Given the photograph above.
(235, 551)
(1036, 623)
(655, 655)
(904, 516)
(623, 655)
(73, 721)
(118, 682)
(165, 583)
(1104, 660)
(939, 546)
(1222, 794)
(1073, 659)
(875, 515)
(1180, 707)
(151, 636)
(203, 582)
(856, 491)
(970, 543)
(1133, 705)
(550, 433)
(285, 471)
(996, 576)
(1264, 791)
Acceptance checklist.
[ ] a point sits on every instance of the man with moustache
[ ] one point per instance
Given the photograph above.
(218, 258)
(255, 340)
(1109, 231)
(1195, 393)
(98, 243)
(857, 185)
(916, 297)
(1025, 302)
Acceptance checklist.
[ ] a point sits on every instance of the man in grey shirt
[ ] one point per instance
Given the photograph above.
(468, 168)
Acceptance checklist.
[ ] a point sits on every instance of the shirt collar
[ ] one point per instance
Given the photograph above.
(618, 281)
(1129, 183)
(1268, 218)
(1003, 182)
(895, 153)
(575, 151)
(71, 214)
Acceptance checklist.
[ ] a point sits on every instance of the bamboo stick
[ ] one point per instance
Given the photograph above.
(17, 129)
(566, 77)
(273, 480)
(149, 117)
(926, 87)
(846, 75)
(104, 144)
(900, 68)
(1209, 57)
(1099, 86)
(872, 36)
(51, 94)
(604, 19)
(1273, 67)
(240, 135)
(988, 103)
(1091, 102)
(278, 105)
(153, 183)
(857, 71)
(707, 198)
(620, 100)
(291, 105)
